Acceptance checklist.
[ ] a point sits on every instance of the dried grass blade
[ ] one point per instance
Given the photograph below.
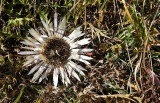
(137, 69)
(126, 9)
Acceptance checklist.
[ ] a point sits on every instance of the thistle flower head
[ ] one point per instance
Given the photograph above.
(52, 52)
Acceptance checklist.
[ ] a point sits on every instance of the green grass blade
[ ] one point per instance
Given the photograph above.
(19, 96)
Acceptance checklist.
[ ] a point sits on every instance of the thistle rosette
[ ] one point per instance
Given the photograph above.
(52, 52)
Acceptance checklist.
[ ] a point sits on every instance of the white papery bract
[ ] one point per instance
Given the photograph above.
(53, 53)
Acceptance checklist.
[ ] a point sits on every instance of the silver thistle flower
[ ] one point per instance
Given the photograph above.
(51, 51)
